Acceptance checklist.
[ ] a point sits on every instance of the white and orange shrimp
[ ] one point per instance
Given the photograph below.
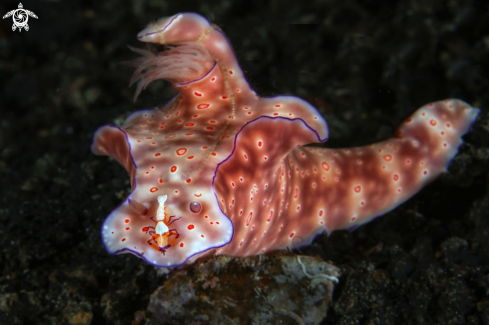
(160, 233)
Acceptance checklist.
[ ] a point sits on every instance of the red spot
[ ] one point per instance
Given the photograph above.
(190, 157)
(362, 203)
(181, 244)
(147, 173)
(195, 116)
(145, 229)
(409, 120)
(245, 156)
(448, 125)
(425, 172)
(127, 228)
(190, 227)
(433, 122)
(248, 219)
(320, 213)
(181, 151)
(325, 166)
(277, 106)
(198, 195)
(241, 243)
(206, 217)
(189, 124)
(270, 216)
(204, 147)
(209, 128)
(275, 114)
(149, 138)
(170, 136)
(160, 181)
(424, 114)
(214, 154)
(126, 221)
(123, 239)
(157, 154)
(152, 167)
(231, 72)
(408, 161)
(249, 113)
(291, 235)
(445, 145)
(213, 79)
(224, 97)
(196, 93)
(296, 193)
(298, 207)
(387, 157)
(153, 189)
(189, 180)
(173, 169)
(202, 106)
(260, 144)
(395, 177)
(217, 222)
(212, 121)
(232, 184)
(211, 223)
(202, 236)
(357, 188)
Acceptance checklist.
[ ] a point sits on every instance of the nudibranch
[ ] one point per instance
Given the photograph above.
(220, 170)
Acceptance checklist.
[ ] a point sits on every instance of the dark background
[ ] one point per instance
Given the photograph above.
(366, 65)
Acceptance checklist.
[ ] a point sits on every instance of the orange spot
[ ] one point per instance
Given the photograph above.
(433, 122)
(198, 195)
(145, 229)
(160, 181)
(275, 114)
(189, 124)
(357, 188)
(173, 169)
(217, 222)
(325, 166)
(202, 236)
(181, 244)
(190, 227)
(176, 191)
(190, 157)
(214, 154)
(126, 221)
(203, 106)
(157, 154)
(153, 189)
(248, 219)
(387, 157)
(204, 147)
(448, 125)
(181, 151)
